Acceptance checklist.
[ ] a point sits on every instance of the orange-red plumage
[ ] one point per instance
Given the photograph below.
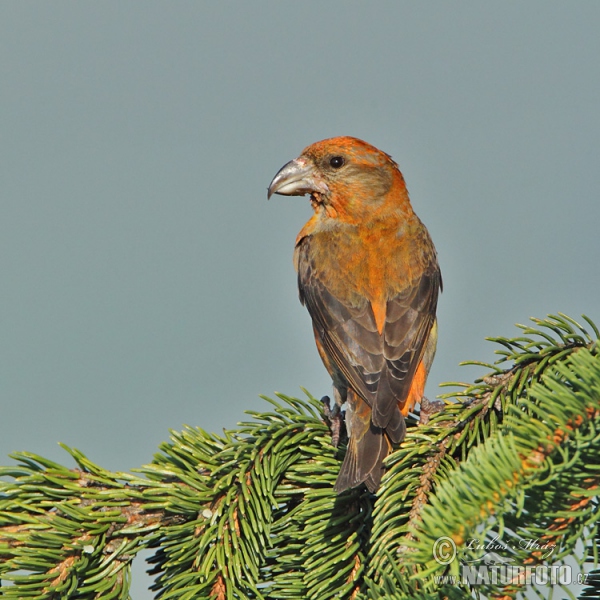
(368, 274)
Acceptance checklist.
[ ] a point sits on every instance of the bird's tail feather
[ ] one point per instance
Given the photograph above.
(363, 462)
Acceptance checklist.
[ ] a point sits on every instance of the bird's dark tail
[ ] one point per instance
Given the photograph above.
(367, 446)
(363, 462)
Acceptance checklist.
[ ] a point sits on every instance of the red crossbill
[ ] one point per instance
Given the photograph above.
(369, 276)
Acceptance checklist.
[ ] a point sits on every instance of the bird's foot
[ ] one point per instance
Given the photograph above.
(428, 408)
(334, 419)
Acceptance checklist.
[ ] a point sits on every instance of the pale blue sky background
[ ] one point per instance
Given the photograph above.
(146, 282)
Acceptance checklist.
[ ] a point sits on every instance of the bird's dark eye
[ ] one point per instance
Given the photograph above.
(337, 161)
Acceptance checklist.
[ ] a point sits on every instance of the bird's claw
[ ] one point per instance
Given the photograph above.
(334, 419)
(428, 408)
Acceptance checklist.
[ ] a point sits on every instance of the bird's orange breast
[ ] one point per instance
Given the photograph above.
(373, 263)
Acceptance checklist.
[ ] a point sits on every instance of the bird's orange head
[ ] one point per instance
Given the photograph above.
(346, 178)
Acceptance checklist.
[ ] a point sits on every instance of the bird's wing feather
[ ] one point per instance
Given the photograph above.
(409, 319)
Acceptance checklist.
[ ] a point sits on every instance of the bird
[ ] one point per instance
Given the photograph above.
(369, 276)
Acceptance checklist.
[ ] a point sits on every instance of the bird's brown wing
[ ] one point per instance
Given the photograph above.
(380, 367)
(409, 319)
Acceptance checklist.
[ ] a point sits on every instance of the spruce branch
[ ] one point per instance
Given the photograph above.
(251, 513)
